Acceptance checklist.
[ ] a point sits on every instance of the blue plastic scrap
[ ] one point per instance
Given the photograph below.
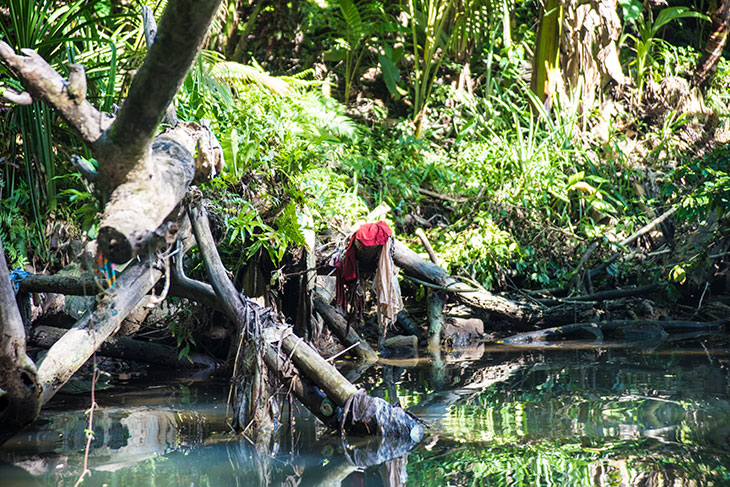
(16, 276)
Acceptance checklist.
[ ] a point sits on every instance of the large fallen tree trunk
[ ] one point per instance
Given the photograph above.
(367, 414)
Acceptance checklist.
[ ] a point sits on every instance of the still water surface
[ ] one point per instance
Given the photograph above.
(582, 417)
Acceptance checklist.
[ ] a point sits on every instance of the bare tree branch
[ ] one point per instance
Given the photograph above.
(44, 83)
(181, 32)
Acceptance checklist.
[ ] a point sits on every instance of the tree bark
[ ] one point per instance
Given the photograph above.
(712, 52)
(20, 390)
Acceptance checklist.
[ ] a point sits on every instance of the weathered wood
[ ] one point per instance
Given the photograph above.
(143, 180)
(181, 286)
(19, 387)
(61, 284)
(181, 31)
(137, 207)
(321, 372)
(413, 265)
(44, 83)
(150, 34)
(80, 342)
(427, 245)
(312, 398)
(338, 325)
(184, 287)
(713, 51)
(128, 349)
(618, 293)
(597, 329)
(435, 321)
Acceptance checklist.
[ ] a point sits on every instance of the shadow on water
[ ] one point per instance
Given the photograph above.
(496, 416)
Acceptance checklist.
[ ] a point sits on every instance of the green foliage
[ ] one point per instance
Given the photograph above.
(17, 235)
(647, 30)
(354, 23)
(478, 249)
(278, 134)
(710, 179)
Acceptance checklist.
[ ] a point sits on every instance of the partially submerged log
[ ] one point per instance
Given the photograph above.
(128, 349)
(69, 353)
(366, 414)
(630, 332)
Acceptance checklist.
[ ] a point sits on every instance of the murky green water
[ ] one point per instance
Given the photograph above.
(557, 417)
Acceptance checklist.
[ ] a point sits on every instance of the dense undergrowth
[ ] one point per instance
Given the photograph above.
(511, 193)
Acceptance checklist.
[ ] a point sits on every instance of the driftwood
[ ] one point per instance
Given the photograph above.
(413, 265)
(81, 341)
(519, 313)
(181, 286)
(128, 349)
(366, 413)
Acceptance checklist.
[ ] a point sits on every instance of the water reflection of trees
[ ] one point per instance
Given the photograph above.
(604, 417)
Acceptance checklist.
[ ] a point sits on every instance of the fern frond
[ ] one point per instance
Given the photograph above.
(238, 75)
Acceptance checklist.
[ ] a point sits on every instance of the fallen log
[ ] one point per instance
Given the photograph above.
(653, 329)
(413, 265)
(81, 341)
(181, 286)
(367, 414)
(338, 325)
(520, 313)
(128, 349)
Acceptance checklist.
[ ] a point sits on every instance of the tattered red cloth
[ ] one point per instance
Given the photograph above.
(369, 234)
